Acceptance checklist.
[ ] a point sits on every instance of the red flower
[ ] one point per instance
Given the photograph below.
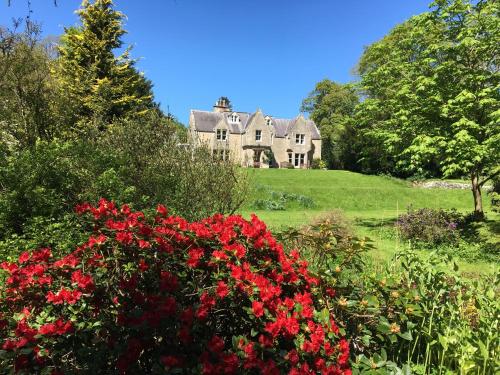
(258, 308)
(144, 244)
(168, 281)
(125, 237)
(84, 282)
(64, 295)
(170, 361)
(162, 210)
(216, 344)
(222, 289)
(143, 266)
(24, 257)
(59, 327)
(194, 257)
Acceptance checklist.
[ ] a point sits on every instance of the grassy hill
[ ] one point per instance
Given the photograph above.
(372, 203)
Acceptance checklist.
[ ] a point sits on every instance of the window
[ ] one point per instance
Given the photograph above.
(268, 121)
(258, 135)
(221, 134)
(299, 159)
(300, 139)
(234, 118)
(290, 157)
(220, 154)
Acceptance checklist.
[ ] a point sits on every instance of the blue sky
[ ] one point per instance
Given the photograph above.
(264, 54)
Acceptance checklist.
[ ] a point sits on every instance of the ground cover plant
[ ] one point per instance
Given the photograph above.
(156, 294)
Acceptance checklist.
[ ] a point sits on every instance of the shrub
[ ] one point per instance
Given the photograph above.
(278, 200)
(140, 164)
(430, 226)
(149, 295)
(318, 164)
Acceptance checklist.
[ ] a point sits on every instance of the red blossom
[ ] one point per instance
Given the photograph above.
(84, 282)
(59, 327)
(64, 295)
(194, 257)
(222, 289)
(258, 308)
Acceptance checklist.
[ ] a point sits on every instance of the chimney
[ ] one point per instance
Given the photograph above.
(223, 104)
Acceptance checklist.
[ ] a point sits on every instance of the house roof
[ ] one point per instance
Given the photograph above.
(206, 121)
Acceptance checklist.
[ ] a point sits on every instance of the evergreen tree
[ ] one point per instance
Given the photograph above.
(99, 85)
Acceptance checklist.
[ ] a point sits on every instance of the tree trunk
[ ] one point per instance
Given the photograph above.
(476, 192)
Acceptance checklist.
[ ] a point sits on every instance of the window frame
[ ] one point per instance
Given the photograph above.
(258, 135)
(300, 139)
(221, 134)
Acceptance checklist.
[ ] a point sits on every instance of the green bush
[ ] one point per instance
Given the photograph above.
(138, 163)
(318, 164)
(278, 200)
(430, 226)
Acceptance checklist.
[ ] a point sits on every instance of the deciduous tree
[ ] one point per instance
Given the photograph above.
(331, 106)
(432, 87)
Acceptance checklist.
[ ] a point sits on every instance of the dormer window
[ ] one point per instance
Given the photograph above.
(258, 135)
(234, 118)
(300, 139)
(221, 134)
(268, 121)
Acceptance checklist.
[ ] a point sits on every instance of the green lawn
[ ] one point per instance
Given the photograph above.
(371, 202)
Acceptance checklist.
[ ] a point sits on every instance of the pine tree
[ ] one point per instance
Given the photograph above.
(100, 86)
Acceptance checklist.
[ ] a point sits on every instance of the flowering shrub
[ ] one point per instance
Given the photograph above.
(153, 295)
(430, 226)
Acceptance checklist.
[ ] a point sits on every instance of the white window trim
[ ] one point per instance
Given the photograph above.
(221, 134)
(260, 136)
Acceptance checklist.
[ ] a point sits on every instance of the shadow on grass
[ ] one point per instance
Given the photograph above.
(374, 223)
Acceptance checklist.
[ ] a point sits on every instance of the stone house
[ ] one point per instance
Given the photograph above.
(255, 139)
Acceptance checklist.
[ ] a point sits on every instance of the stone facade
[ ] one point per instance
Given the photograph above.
(255, 139)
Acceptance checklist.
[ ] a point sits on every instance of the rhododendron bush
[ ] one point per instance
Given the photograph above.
(156, 295)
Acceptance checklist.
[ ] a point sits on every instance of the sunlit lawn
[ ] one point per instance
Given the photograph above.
(372, 203)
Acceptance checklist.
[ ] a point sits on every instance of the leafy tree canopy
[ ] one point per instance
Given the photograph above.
(432, 88)
(331, 106)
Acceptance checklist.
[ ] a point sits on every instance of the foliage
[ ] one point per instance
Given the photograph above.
(135, 162)
(415, 315)
(279, 201)
(331, 106)
(430, 226)
(29, 101)
(154, 294)
(189, 180)
(101, 86)
(46, 181)
(61, 234)
(432, 94)
(318, 164)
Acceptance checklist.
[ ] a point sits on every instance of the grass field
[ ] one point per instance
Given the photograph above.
(372, 203)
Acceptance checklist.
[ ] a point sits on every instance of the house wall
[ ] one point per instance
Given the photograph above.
(240, 145)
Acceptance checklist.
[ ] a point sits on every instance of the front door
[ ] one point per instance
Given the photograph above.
(256, 158)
